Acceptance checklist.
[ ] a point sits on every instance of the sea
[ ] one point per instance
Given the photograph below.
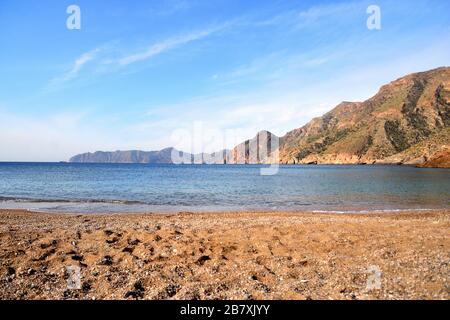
(166, 188)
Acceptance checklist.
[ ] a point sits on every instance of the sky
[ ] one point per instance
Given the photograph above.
(199, 75)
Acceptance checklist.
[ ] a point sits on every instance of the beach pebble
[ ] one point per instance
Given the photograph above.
(113, 240)
(201, 261)
(31, 271)
(128, 249)
(107, 261)
(134, 242)
(77, 257)
(172, 289)
(11, 271)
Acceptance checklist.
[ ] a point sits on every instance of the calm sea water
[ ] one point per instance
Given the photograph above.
(65, 187)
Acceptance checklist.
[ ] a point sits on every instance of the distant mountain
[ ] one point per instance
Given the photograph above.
(158, 157)
(407, 122)
(256, 150)
(133, 156)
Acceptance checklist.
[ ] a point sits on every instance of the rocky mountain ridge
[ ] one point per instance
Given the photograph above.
(406, 122)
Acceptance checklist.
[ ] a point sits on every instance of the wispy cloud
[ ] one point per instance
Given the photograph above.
(299, 19)
(276, 66)
(107, 65)
(75, 69)
(82, 60)
(295, 19)
(168, 44)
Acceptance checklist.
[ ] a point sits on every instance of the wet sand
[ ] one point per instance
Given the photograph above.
(226, 256)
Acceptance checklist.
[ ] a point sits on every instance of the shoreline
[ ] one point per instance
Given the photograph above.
(231, 213)
(162, 213)
(113, 207)
(324, 164)
(240, 255)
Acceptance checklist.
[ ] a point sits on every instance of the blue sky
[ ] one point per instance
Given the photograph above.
(152, 74)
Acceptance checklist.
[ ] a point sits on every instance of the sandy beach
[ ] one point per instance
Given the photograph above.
(226, 256)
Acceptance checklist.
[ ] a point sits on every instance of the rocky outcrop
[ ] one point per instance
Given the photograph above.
(422, 151)
(439, 160)
(262, 148)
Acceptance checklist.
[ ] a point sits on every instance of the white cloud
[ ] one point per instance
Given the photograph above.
(76, 67)
(275, 66)
(168, 44)
(106, 65)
